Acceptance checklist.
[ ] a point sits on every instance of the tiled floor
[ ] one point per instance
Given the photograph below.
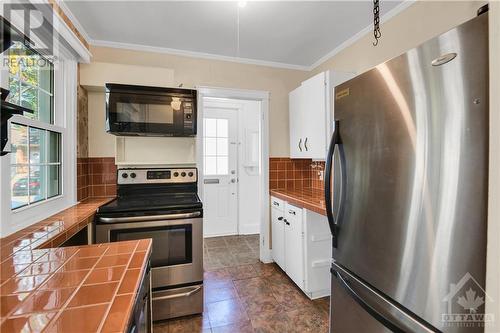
(244, 295)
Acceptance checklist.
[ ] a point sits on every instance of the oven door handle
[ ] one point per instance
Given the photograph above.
(149, 217)
(185, 294)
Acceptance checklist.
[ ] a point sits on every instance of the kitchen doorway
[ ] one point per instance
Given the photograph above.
(220, 169)
(232, 150)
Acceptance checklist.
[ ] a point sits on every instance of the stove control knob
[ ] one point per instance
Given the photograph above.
(191, 174)
(133, 175)
(183, 174)
(124, 175)
(176, 174)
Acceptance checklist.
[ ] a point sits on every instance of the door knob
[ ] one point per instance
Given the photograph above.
(233, 180)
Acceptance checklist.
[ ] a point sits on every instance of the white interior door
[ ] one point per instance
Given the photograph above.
(220, 154)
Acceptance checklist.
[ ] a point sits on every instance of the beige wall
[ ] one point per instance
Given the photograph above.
(421, 21)
(193, 72)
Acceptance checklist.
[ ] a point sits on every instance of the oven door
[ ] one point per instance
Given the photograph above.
(177, 252)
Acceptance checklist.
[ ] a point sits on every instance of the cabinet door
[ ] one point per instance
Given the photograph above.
(314, 111)
(278, 237)
(296, 126)
(294, 245)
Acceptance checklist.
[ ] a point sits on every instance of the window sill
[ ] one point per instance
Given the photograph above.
(36, 204)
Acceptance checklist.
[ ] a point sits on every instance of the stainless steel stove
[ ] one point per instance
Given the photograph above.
(161, 204)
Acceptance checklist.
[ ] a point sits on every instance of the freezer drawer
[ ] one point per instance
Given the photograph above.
(356, 307)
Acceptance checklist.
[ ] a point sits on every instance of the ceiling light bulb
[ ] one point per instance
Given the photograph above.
(242, 4)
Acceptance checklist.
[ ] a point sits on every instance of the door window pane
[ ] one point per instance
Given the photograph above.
(210, 146)
(222, 128)
(210, 129)
(210, 165)
(222, 147)
(216, 147)
(222, 165)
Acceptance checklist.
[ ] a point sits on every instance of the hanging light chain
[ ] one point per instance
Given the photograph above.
(376, 22)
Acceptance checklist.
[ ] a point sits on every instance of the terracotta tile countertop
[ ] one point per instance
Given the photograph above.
(308, 198)
(73, 289)
(52, 231)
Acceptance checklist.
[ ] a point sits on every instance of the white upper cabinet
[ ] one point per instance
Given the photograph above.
(311, 114)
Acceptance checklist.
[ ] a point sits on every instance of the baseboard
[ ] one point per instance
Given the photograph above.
(249, 229)
(318, 294)
(219, 235)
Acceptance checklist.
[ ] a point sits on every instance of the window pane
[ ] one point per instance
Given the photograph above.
(19, 141)
(29, 69)
(210, 165)
(29, 99)
(222, 165)
(37, 183)
(31, 82)
(53, 181)
(13, 96)
(210, 146)
(210, 127)
(38, 146)
(46, 76)
(222, 128)
(45, 107)
(222, 146)
(54, 147)
(19, 186)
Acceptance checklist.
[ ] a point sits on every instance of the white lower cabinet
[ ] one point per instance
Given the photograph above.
(301, 246)
(277, 231)
(294, 249)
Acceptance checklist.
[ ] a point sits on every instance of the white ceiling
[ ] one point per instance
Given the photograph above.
(295, 34)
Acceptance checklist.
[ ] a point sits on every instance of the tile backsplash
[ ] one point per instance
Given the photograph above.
(287, 173)
(96, 177)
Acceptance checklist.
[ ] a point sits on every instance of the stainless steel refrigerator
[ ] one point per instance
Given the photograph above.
(406, 186)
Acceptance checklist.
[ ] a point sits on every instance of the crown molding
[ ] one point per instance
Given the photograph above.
(193, 54)
(62, 5)
(384, 18)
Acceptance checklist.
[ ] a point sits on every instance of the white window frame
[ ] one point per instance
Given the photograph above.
(64, 106)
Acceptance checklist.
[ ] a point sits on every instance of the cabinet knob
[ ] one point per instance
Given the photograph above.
(305, 144)
(300, 144)
(280, 218)
(292, 212)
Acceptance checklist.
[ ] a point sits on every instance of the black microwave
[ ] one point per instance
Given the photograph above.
(150, 111)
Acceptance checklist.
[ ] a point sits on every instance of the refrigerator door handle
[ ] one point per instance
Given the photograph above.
(335, 146)
(415, 325)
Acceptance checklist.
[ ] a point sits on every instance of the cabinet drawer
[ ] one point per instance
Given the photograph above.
(291, 210)
(277, 203)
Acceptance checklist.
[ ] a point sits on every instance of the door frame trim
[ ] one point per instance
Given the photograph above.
(245, 94)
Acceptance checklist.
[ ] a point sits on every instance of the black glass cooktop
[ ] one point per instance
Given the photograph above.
(165, 201)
